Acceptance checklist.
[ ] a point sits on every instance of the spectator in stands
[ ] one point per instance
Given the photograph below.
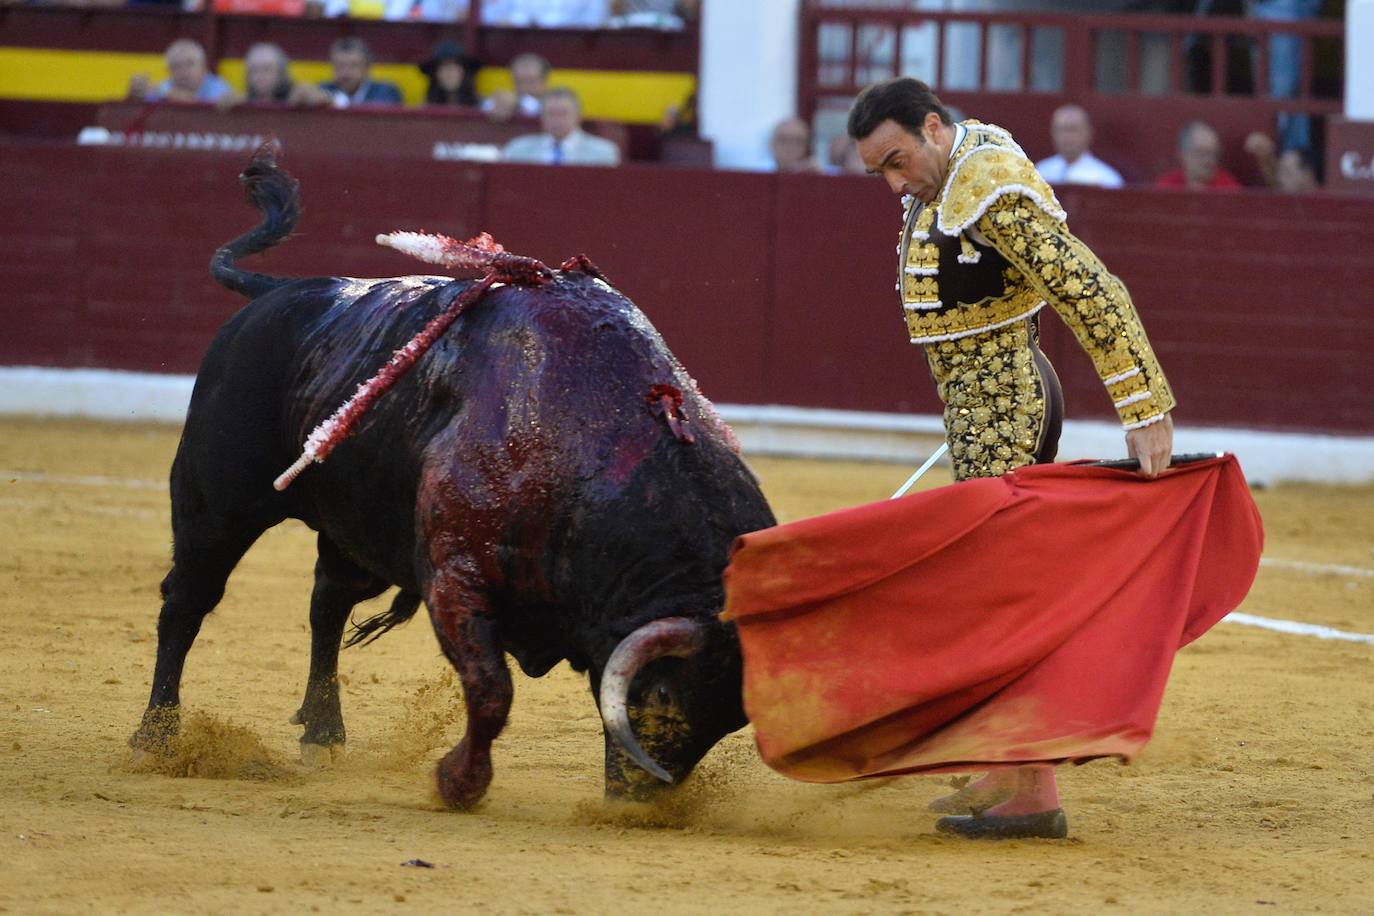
(530, 73)
(450, 76)
(1297, 172)
(1199, 154)
(1072, 132)
(426, 10)
(266, 74)
(652, 14)
(352, 83)
(680, 120)
(844, 158)
(563, 141)
(190, 78)
(1285, 62)
(266, 78)
(790, 145)
(548, 14)
(1293, 172)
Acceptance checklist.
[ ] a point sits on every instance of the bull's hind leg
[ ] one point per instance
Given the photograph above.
(203, 555)
(339, 585)
(468, 637)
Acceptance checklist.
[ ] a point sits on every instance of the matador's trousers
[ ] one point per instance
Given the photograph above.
(1003, 405)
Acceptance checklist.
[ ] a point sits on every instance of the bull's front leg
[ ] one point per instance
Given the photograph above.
(469, 638)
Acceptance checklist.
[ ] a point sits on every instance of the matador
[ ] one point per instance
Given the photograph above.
(984, 247)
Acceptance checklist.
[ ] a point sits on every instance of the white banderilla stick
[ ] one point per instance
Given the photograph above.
(920, 472)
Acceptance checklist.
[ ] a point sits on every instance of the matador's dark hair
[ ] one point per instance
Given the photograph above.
(904, 100)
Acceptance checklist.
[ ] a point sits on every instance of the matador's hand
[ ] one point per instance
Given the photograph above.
(1153, 445)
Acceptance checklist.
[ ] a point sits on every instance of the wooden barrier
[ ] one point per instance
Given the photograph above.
(384, 131)
(772, 289)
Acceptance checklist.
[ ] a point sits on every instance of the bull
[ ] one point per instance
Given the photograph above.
(515, 481)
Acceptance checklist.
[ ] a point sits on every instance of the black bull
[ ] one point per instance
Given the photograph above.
(515, 480)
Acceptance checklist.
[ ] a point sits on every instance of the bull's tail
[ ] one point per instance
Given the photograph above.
(403, 607)
(277, 195)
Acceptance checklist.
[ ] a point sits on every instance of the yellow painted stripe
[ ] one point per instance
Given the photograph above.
(72, 76)
(41, 74)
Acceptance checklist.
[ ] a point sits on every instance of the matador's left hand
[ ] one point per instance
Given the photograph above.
(1153, 445)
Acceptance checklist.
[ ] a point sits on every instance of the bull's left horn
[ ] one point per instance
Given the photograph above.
(676, 636)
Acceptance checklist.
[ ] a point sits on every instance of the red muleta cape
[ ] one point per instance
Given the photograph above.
(1006, 620)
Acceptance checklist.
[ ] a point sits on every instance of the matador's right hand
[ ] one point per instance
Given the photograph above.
(1152, 445)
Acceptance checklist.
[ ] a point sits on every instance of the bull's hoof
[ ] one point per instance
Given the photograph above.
(320, 755)
(463, 777)
(150, 753)
(154, 735)
(321, 729)
(641, 790)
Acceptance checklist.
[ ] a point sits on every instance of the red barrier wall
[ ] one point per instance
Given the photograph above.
(771, 289)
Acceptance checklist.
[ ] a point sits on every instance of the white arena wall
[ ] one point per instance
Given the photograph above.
(1267, 457)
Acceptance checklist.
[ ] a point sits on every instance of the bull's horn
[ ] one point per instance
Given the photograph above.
(676, 636)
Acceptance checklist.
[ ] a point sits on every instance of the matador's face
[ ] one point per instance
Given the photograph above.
(908, 163)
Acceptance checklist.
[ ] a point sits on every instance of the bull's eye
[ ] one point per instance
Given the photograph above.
(663, 695)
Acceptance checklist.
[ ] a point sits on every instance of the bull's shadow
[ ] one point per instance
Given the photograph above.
(546, 479)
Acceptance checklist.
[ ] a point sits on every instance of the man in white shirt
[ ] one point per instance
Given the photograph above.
(1072, 132)
(563, 141)
(530, 74)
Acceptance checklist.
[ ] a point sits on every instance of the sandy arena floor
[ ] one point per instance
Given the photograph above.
(1257, 792)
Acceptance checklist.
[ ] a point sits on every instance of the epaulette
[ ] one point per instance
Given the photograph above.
(990, 165)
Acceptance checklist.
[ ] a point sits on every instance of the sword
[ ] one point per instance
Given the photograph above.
(1133, 464)
(1120, 464)
(911, 481)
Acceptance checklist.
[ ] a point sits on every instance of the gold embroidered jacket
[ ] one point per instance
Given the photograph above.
(993, 248)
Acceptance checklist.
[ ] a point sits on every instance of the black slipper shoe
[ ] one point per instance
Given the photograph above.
(1049, 825)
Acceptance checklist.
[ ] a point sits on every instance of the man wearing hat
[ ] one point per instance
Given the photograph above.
(450, 73)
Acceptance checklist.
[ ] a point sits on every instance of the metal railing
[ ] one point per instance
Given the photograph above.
(847, 45)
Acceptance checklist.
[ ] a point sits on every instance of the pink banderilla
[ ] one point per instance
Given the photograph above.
(480, 253)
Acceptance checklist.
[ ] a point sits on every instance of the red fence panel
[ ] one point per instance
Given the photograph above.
(691, 248)
(772, 289)
(839, 339)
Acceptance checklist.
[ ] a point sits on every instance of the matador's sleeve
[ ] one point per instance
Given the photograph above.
(1089, 299)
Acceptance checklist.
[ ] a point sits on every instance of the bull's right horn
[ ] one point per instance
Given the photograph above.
(675, 636)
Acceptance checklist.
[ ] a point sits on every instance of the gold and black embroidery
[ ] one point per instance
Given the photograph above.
(1089, 299)
(994, 400)
(919, 261)
(985, 165)
(994, 197)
